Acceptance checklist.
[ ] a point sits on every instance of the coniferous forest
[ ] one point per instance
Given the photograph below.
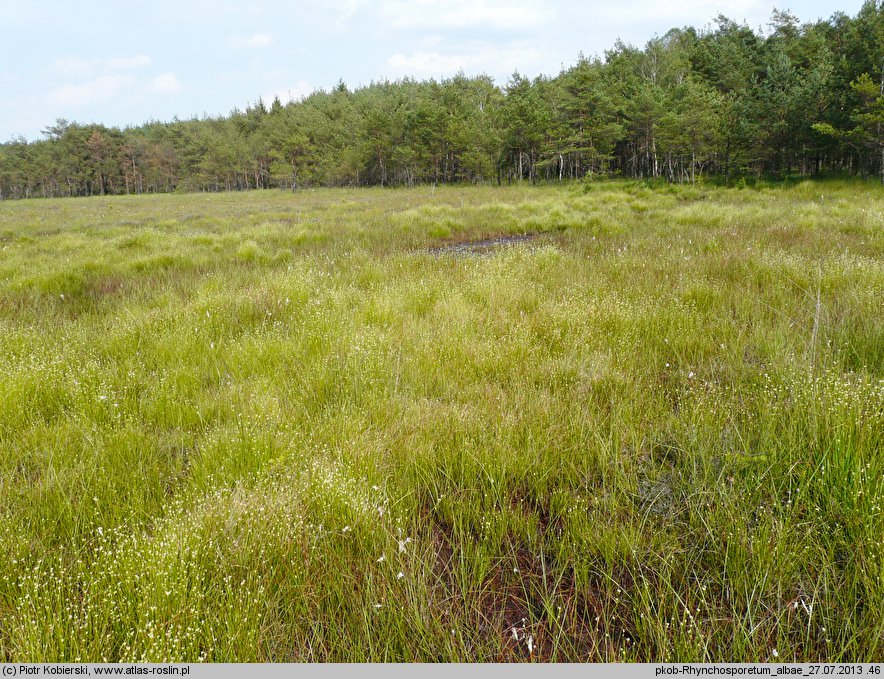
(725, 103)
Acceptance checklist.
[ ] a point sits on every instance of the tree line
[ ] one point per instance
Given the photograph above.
(726, 102)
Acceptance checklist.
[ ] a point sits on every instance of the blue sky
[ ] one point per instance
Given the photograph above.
(126, 63)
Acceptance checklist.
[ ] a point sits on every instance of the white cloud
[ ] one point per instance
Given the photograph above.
(128, 62)
(165, 83)
(286, 94)
(430, 63)
(8, 78)
(442, 14)
(342, 10)
(683, 12)
(494, 61)
(71, 66)
(82, 68)
(254, 41)
(482, 14)
(100, 89)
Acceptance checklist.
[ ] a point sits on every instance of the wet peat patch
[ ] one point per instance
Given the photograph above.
(482, 247)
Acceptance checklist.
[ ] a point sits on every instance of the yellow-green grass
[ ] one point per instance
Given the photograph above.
(275, 426)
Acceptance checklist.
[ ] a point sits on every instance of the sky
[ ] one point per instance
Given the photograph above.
(126, 63)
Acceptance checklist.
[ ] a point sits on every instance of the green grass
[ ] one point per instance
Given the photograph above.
(267, 426)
